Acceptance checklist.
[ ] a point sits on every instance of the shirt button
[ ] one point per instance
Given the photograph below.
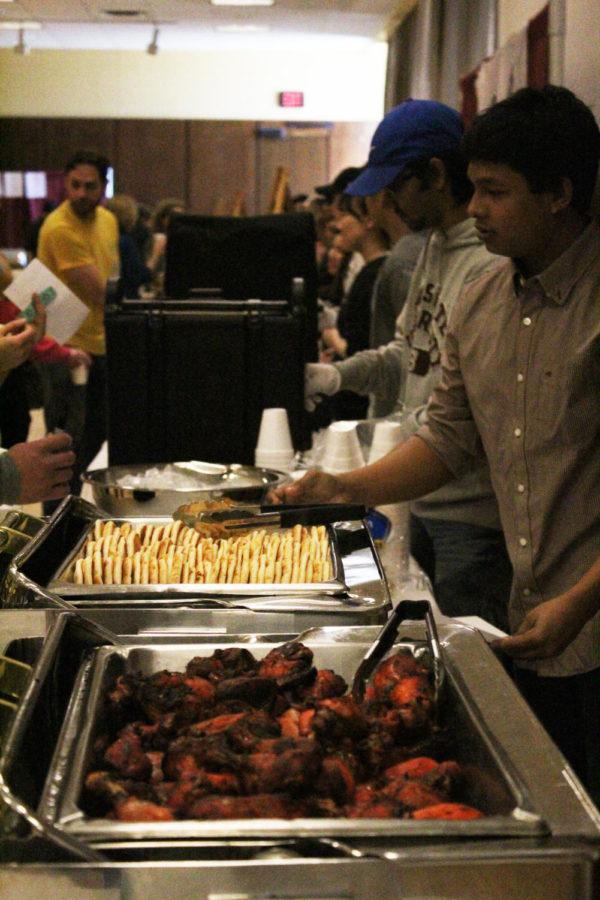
(526, 592)
(526, 321)
(520, 377)
(523, 542)
(521, 488)
(518, 432)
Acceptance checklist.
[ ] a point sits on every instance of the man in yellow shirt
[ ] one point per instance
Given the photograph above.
(79, 242)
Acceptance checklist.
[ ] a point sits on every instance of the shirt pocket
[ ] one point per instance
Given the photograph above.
(565, 400)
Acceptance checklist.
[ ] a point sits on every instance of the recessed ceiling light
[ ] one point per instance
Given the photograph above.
(242, 2)
(123, 13)
(15, 26)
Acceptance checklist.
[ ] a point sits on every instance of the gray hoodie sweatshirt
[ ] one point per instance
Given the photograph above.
(409, 367)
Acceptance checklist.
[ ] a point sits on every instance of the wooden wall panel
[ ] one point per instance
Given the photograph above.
(151, 159)
(349, 145)
(221, 163)
(305, 154)
(47, 144)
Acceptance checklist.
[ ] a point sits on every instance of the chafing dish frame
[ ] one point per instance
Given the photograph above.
(359, 587)
(513, 815)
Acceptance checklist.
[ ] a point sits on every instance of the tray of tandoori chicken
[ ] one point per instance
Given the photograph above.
(142, 562)
(252, 737)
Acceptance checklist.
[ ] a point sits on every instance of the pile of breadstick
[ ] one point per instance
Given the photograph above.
(176, 554)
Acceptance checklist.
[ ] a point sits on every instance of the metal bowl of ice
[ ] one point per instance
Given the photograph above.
(146, 490)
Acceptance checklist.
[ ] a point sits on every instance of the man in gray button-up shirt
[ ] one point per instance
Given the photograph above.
(521, 387)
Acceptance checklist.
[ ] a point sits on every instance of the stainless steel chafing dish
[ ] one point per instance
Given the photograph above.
(556, 854)
(358, 591)
(493, 785)
(244, 484)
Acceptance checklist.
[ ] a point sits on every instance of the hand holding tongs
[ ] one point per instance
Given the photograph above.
(235, 517)
(406, 609)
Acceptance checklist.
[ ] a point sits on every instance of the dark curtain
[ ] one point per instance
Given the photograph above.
(17, 213)
(14, 218)
(538, 50)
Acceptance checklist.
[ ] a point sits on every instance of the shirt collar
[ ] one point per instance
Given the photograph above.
(558, 280)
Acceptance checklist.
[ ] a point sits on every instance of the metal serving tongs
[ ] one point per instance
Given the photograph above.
(406, 609)
(232, 518)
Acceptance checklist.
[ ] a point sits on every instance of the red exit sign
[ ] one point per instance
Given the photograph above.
(291, 98)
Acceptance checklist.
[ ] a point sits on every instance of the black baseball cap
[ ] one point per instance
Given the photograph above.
(339, 183)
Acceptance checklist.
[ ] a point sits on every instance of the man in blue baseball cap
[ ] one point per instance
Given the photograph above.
(416, 166)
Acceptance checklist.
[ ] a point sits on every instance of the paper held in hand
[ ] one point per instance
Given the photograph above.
(65, 311)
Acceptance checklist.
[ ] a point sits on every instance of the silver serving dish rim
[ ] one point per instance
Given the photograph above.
(117, 500)
(59, 803)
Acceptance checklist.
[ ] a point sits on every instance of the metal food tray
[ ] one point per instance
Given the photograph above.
(493, 784)
(358, 586)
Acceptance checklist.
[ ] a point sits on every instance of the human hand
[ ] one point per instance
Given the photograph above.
(545, 631)
(78, 357)
(327, 356)
(45, 467)
(17, 339)
(39, 319)
(314, 487)
(320, 380)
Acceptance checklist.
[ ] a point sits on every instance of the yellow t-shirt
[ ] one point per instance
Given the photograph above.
(67, 242)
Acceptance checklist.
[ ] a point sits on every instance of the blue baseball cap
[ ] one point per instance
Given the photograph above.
(416, 129)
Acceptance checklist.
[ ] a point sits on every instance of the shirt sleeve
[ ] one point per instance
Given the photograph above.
(450, 430)
(10, 480)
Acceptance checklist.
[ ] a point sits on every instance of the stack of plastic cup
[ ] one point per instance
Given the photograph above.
(274, 448)
(342, 450)
(386, 436)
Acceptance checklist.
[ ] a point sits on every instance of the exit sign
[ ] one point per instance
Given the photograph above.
(291, 98)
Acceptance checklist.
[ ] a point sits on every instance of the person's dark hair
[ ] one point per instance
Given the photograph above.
(89, 158)
(456, 170)
(543, 134)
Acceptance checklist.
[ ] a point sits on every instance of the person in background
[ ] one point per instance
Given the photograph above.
(332, 195)
(15, 387)
(159, 224)
(38, 470)
(134, 273)
(455, 534)
(520, 388)
(79, 242)
(142, 232)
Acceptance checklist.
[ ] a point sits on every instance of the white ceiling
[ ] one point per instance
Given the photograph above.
(190, 24)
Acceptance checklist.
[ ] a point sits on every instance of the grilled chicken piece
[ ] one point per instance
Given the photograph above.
(326, 684)
(255, 691)
(297, 723)
(377, 807)
(289, 665)
(184, 794)
(457, 811)
(188, 757)
(412, 794)
(282, 765)
(337, 718)
(172, 695)
(127, 757)
(229, 663)
(260, 806)
(338, 778)
(135, 810)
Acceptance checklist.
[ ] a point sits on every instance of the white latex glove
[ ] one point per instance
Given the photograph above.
(320, 380)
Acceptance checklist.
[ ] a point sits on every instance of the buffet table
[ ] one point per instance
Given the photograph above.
(546, 842)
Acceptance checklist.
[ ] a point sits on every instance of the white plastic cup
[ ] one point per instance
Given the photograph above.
(274, 448)
(386, 436)
(80, 374)
(342, 448)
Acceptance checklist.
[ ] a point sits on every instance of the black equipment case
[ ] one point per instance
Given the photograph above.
(189, 379)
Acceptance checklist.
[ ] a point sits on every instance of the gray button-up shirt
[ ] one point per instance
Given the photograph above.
(521, 385)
